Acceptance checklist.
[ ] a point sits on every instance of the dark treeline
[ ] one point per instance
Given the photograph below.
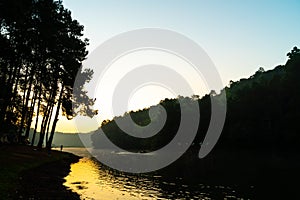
(263, 110)
(258, 150)
(262, 113)
(41, 53)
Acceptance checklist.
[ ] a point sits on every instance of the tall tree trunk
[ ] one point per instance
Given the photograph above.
(29, 119)
(48, 124)
(25, 105)
(49, 143)
(37, 115)
(14, 77)
(14, 87)
(25, 89)
(46, 118)
(42, 129)
(6, 97)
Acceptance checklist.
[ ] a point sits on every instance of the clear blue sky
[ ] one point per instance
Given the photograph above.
(239, 36)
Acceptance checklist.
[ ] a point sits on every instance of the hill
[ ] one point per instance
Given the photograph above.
(66, 139)
(259, 145)
(262, 112)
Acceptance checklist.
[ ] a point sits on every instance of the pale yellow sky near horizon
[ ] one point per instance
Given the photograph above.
(143, 96)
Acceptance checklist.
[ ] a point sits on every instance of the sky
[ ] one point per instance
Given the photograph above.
(238, 36)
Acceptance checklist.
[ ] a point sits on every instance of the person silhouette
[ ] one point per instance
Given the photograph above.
(61, 147)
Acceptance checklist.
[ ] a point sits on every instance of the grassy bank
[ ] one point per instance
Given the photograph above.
(21, 170)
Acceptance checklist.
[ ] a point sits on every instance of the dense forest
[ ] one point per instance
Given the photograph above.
(262, 113)
(41, 54)
(259, 145)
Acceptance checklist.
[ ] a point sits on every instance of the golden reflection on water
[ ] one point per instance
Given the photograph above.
(89, 182)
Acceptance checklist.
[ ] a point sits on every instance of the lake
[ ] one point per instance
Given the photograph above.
(92, 180)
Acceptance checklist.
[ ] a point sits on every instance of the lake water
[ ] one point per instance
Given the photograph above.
(91, 180)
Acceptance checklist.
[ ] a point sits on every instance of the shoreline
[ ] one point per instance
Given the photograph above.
(35, 174)
(48, 180)
(269, 175)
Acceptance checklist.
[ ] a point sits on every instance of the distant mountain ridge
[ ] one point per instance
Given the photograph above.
(67, 139)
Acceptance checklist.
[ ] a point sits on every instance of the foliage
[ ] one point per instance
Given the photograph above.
(262, 113)
(42, 51)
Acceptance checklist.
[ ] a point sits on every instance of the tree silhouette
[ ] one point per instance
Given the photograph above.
(262, 113)
(42, 53)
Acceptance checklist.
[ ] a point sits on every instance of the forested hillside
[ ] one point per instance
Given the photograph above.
(263, 112)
